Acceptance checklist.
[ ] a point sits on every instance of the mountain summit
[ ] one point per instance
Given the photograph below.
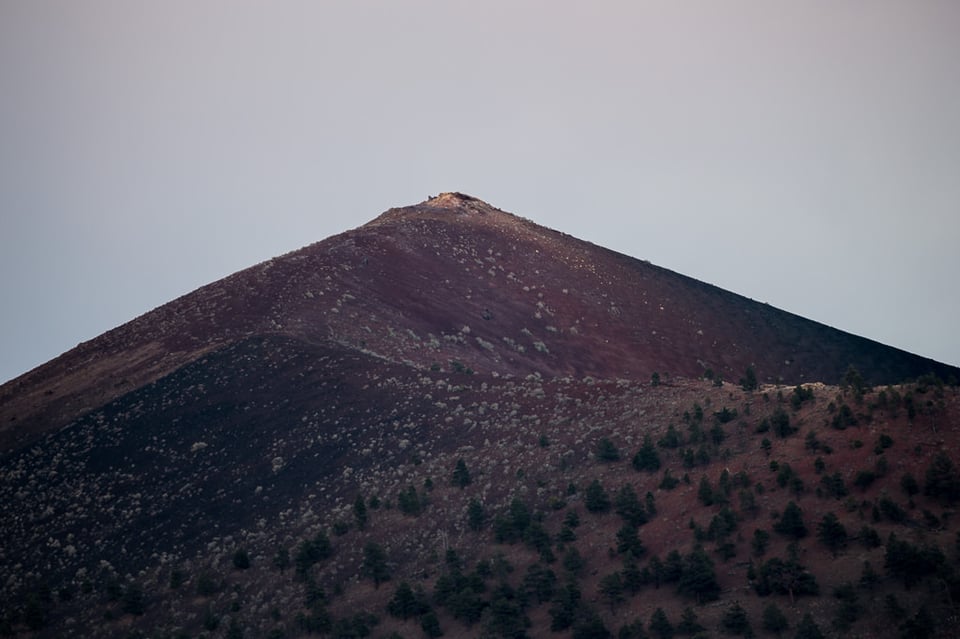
(452, 420)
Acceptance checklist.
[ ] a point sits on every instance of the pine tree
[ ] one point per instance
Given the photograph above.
(461, 476)
(808, 629)
(705, 492)
(735, 621)
(475, 515)
(698, 578)
(607, 450)
(791, 522)
(431, 625)
(832, 533)
(942, 479)
(596, 499)
(774, 620)
(611, 587)
(689, 624)
(405, 603)
(660, 625)
(375, 563)
(628, 506)
(360, 512)
(647, 457)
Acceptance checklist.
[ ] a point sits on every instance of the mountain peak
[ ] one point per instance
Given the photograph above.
(446, 206)
(459, 204)
(456, 201)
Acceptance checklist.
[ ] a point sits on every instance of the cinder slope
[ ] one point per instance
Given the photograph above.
(454, 281)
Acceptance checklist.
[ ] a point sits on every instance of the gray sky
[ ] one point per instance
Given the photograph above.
(806, 154)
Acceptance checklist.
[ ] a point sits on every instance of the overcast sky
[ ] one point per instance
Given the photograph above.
(803, 153)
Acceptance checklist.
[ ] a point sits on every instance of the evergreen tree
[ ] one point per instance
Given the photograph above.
(628, 541)
(408, 501)
(611, 587)
(360, 512)
(573, 561)
(780, 422)
(475, 515)
(563, 611)
(607, 451)
(660, 625)
(539, 584)
(735, 621)
(506, 618)
(633, 630)
(942, 479)
(761, 539)
(705, 492)
(628, 506)
(632, 577)
(832, 533)
(774, 621)
(791, 523)
(596, 499)
(698, 579)
(808, 629)
(405, 603)
(785, 577)
(671, 439)
(749, 381)
(431, 625)
(461, 476)
(647, 457)
(591, 627)
(375, 563)
(689, 624)
(672, 567)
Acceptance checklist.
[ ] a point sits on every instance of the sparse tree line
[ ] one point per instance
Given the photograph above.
(499, 596)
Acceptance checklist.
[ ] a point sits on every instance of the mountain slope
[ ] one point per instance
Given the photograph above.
(454, 279)
(446, 421)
